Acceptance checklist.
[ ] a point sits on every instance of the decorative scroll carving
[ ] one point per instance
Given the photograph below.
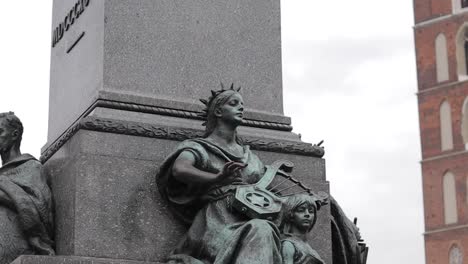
(60, 142)
(185, 114)
(139, 129)
(304, 149)
(179, 134)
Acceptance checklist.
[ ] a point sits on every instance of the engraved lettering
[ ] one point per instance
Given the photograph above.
(75, 12)
(67, 24)
(54, 37)
(61, 31)
(72, 16)
(82, 6)
(76, 42)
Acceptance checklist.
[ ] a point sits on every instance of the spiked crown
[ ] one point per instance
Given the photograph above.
(211, 100)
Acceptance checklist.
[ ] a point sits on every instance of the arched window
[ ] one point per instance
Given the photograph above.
(466, 190)
(446, 137)
(464, 123)
(450, 199)
(455, 255)
(442, 67)
(464, 3)
(458, 5)
(462, 52)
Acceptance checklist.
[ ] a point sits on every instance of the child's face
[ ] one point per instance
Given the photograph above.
(303, 216)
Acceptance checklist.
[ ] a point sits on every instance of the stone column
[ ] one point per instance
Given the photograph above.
(126, 77)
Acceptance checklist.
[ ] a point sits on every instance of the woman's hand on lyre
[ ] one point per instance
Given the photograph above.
(230, 170)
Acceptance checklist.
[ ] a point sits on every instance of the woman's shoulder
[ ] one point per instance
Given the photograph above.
(194, 146)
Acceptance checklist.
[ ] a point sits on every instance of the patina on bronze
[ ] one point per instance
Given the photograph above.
(300, 216)
(26, 220)
(348, 245)
(222, 190)
(264, 200)
(199, 181)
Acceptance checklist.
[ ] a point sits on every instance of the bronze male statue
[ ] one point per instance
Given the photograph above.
(26, 220)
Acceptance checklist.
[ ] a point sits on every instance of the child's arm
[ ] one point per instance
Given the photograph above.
(287, 251)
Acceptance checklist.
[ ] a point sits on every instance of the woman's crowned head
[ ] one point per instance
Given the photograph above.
(214, 103)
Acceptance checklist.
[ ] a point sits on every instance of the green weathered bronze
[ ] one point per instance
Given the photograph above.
(218, 187)
(26, 220)
(199, 181)
(300, 215)
(348, 246)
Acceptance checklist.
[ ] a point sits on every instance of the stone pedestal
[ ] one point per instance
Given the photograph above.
(73, 260)
(125, 93)
(164, 53)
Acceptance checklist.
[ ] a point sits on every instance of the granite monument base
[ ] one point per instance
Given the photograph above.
(73, 260)
(103, 180)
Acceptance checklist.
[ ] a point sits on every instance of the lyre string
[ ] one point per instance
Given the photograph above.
(290, 194)
(279, 184)
(287, 188)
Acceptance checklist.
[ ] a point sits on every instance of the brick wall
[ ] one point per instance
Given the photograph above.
(429, 118)
(438, 246)
(433, 172)
(424, 37)
(433, 17)
(430, 9)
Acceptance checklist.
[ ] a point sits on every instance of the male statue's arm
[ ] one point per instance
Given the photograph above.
(5, 199)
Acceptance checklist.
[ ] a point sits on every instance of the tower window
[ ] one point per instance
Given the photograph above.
(464, 123)
(442, 68)
(450, 199)
(446, 137)
(462, 52)
(455, 255)
(464, 3)
(466, 52)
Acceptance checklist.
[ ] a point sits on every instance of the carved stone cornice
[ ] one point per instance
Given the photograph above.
(174, 133)
(183, 113)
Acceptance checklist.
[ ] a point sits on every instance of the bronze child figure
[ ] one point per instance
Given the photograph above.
(300, 215)
(26, 220)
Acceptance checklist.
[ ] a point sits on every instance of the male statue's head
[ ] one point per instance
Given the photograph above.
(11, 132)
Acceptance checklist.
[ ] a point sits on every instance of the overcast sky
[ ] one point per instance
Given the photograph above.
(349, 78)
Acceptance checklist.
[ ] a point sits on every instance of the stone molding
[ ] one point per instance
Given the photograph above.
(183, 113)
(175, 133)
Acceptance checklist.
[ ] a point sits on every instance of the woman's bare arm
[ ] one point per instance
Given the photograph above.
(184, 170)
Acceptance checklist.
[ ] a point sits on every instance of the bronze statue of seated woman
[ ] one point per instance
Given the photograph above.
(199, 181)
(202, 181)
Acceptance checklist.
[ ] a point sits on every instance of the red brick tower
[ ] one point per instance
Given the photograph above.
(441, 40)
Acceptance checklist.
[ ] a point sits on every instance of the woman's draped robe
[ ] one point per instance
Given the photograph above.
(304, 254)
(26, 220)
(218, 234)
